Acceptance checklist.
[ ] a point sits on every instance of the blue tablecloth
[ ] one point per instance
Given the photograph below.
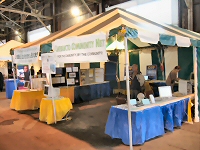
(175, 113)
(10, 87)
(91, 92)
(148, 123)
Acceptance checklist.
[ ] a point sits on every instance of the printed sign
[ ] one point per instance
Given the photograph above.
(152, 72)
(88, 48)
(26, 55)
(48, 63)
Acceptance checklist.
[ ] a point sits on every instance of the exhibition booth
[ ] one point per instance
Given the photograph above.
(85, 42)
(6, 66)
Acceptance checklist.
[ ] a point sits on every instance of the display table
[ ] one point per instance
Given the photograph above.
(63, 106)
(26, 100)
(67, 92)
(91, 92)
(148, 121)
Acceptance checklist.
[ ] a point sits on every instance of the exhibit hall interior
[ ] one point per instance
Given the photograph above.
(99, 74)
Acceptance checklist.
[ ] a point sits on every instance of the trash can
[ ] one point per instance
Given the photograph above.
(10, 87)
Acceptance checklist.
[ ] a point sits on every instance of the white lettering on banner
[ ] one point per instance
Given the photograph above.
(26, 55)
(87, 48)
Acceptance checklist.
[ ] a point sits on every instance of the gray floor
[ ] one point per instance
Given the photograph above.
(84, 132)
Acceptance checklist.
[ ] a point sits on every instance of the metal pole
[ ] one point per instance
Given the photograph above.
(196, 118)
(30, 76)
(128, 92)
(53, 100)
(14, 70)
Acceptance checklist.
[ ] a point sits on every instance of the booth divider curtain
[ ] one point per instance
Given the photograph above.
(185, 60)
(134, 58)
(155, 54)
(198, 75)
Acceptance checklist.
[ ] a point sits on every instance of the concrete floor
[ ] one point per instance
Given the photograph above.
(22, 131)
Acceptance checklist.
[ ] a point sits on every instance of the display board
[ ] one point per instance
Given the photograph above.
(59, 79)
(23, 72)
(152, 72)
(72, 75)
(48, 63)
(99, 75)
(94, 75)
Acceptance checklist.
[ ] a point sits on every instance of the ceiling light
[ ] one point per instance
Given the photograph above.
(16, 32)
(75, 11)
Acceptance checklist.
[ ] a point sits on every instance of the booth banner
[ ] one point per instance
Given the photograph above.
(26, 55)
(80, 49)
(48, 63)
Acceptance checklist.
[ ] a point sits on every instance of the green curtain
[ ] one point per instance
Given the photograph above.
(95, 65)
(185, 60)
(134, 58)
(46, 48)
(155, 54)
(77, 65)
(198, 76)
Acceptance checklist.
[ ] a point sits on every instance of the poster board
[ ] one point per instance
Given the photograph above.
(48, 63)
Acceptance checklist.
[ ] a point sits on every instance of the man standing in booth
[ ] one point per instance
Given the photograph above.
(172, 77)
(137, 82)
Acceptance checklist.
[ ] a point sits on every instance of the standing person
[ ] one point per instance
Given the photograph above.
(32, 71)
(172, 77)
(10, 72)
(137, 82)
(1, 82)
(40, 71)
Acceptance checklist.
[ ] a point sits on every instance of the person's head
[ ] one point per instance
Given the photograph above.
(40, 68)
(25, 68)
(32, 67)
(178, 68)
(135, 67)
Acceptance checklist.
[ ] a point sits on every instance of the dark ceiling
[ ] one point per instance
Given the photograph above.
(21, 14)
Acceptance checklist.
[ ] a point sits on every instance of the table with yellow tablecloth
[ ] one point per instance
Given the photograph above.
(26, 99)
(62, 105)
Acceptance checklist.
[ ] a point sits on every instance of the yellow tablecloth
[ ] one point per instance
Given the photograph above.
(62, 105)
(26, 100)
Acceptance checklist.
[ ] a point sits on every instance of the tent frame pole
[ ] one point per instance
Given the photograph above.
(196, 118)
(14, 71)
(128, 93)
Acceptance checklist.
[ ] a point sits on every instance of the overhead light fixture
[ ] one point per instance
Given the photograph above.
(75, 11)
(16, 32)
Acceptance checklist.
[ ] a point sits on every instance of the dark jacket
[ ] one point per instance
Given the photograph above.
(1, 82)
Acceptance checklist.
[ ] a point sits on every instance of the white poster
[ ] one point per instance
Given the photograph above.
(80, 49)
(26, 55)
(48, 63)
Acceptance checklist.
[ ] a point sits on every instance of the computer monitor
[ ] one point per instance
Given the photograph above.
(46, 90)
(165, 91)
(146, 77)
(51, 92)
(26, 84)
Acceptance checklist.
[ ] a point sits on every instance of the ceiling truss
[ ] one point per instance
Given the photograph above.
(19, 14)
